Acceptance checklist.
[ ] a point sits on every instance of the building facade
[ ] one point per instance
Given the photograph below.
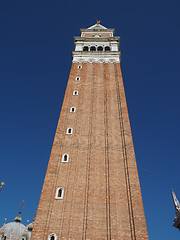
(91, 189)
(16, 230)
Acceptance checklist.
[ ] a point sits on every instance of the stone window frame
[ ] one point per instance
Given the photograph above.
(67, 131)
(52, 235)
(77, 79)
(71, 109)
(75, 93)
(57, 191)
(65, 154)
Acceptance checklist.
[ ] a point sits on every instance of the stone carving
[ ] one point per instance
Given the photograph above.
(177, 209)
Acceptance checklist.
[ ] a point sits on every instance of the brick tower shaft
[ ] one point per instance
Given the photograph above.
(91, 189)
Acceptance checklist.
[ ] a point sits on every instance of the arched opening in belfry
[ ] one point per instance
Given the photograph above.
(93, 48)
(100, 48)
(85, 48)
(107, 48)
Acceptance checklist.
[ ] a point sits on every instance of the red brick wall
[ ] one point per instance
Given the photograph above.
(102, 196)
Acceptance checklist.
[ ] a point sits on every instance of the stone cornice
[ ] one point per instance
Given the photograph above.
(80, 56)
(96, 39)
(96, 30)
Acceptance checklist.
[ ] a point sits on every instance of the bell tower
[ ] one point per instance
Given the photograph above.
(91, 189)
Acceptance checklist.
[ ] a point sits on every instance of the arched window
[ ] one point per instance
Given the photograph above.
(59, 193)
(65, 157)
(75, 93)
(85, 48)
(100, 48)
(69, 131)
(107, 48)
(52, 236)
(77, 78)
(79, 66)
(92, 48)
(72, 109)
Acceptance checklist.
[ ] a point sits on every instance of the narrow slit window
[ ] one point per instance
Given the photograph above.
(79, 66)
(72, 109)
(65, 157)
(77, 79)
(59, 193)
(69, 131)
(75, 93)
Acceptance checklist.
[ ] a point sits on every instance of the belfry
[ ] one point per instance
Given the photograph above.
(91, 189)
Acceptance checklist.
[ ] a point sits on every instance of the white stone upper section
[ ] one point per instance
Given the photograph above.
(96, 44)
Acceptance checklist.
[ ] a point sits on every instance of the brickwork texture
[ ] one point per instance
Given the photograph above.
(102, 197)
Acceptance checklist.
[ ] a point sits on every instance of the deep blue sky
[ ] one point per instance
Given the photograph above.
(36, 40)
